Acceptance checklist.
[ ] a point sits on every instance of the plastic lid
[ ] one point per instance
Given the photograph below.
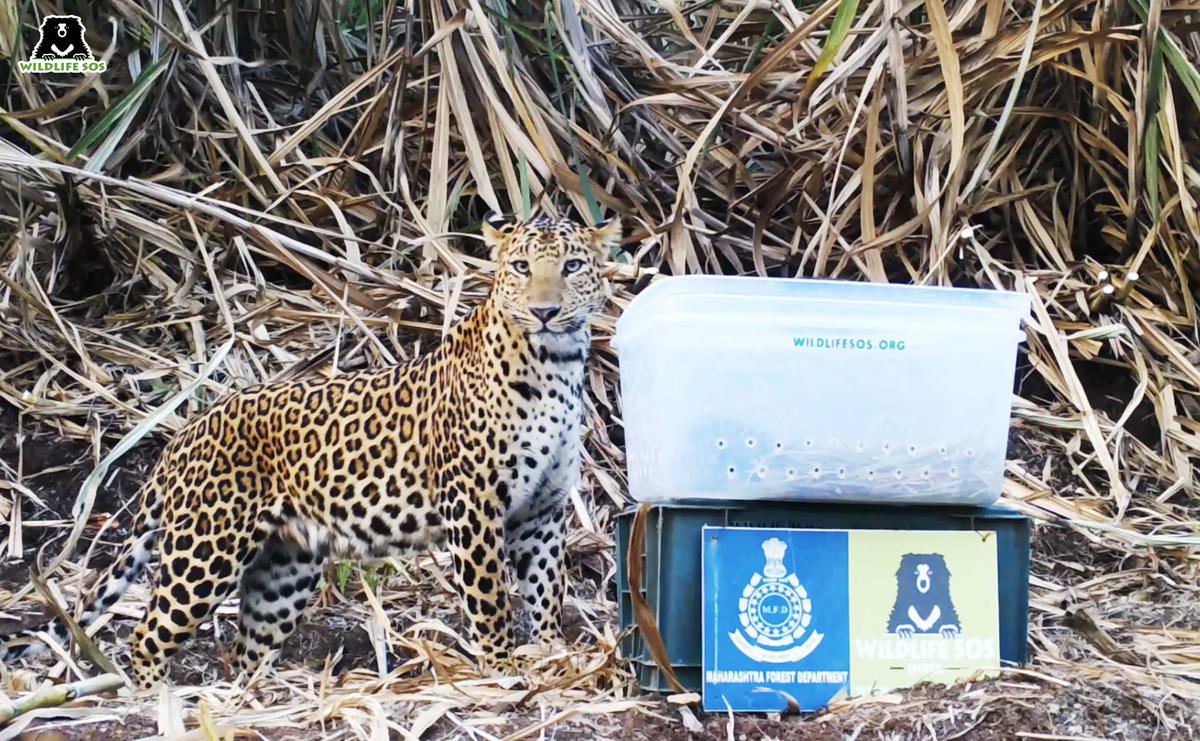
(874, 297)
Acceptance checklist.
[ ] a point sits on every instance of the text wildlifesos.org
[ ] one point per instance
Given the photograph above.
(847, 343)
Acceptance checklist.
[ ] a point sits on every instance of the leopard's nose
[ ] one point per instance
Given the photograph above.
(545, 313)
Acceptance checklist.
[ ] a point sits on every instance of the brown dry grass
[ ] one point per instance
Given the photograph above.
(256, 190)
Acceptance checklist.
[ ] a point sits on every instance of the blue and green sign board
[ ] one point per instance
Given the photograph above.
(794, 619)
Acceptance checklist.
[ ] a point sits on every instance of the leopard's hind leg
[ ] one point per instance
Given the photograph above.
(203, 554)
(275, 589)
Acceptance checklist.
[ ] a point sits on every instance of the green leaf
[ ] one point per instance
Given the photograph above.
(1150, 154)
(371, 577)
(585, 184)
(1184, 70)
(517, 29)
(162, 387)
(127, 106)
(770, 28)
(523, 167)
(344, 569)
(837, 34)
(1153, 135)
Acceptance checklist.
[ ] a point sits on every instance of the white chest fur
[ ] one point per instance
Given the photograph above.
(548, 437)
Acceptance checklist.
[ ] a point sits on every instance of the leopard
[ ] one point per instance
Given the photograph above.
(474, 447)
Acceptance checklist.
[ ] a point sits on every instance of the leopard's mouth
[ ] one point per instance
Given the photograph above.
(569, 328)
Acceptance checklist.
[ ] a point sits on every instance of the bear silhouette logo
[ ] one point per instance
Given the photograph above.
(62, 37)
(61, 48)
(923, 605)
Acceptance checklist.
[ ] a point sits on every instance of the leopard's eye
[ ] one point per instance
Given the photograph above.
(572, 266)
(521, 266)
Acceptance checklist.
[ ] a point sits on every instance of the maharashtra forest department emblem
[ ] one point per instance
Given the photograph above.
(775, 612)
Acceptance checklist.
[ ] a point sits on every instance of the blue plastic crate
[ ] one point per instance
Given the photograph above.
(672, 578)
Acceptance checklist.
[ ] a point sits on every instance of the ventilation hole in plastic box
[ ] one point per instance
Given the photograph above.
(943, 450)
(887, 447)
(912, 449)
(762, 472)
(721, 443)
(841, 472)
(969, 452)
(925, 473)
(808, 443)
(791, 473)
(779, 445)
(954, 472)
(860, 447)
(751, 442)
(731, 471)
(899, 474)
(870, 474)
(816, 470)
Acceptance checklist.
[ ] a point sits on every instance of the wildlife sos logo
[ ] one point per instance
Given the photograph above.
(912, 620)
(62, 48)
(775, 612)
(827, 613)
(923, 603)
(775, 619)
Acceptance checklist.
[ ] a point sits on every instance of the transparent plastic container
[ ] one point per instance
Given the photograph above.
(771, 388)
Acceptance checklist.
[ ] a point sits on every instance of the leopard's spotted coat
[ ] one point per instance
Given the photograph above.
(474, 445)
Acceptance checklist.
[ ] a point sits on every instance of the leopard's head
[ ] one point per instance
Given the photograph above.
(548, 271)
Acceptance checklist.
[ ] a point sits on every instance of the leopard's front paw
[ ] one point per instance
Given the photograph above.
(499, 664)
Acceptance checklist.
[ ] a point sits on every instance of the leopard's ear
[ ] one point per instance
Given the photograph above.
(605, 236)
(493, 228)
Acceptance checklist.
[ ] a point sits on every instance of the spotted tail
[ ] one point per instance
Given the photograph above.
(135, 554)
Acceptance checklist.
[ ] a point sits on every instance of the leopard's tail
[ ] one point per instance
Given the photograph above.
(135, 554)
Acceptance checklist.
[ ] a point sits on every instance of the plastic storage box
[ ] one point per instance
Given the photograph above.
(752, 388)
(671, 568)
